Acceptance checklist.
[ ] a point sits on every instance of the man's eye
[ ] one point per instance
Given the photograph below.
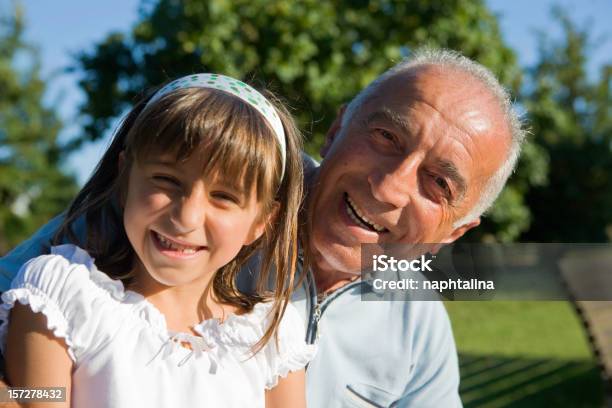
(442, 184)
(386, 138)
(167, 180)
(385, 134)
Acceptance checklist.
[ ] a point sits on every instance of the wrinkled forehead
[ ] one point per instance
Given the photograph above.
(459, 97)
(460, 110)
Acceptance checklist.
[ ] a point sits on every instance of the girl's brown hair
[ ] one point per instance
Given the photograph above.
(236, 143)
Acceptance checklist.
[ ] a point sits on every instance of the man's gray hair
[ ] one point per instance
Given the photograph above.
(452, 59)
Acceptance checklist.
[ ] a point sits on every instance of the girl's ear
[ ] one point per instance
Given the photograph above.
(260, 225)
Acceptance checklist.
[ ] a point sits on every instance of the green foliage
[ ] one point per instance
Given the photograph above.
(32, 188)
(317, 55)
(510, 217)
(571, 117)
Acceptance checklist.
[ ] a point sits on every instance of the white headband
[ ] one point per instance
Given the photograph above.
(236, 88)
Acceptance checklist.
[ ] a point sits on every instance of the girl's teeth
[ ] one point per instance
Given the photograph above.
(170, 245)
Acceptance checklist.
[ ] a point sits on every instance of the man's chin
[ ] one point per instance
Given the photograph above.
(337, 258)
(335, 232)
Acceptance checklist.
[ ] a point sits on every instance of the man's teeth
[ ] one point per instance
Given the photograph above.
(360, 218)
(357, 220)
(175, 247)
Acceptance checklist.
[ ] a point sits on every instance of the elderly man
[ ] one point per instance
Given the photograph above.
(416, 157)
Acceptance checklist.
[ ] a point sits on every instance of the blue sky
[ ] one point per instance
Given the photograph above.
(61, 28)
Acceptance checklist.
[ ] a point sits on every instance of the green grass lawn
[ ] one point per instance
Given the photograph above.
(523, 354)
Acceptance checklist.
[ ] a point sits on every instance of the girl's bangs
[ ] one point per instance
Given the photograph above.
(219, 129)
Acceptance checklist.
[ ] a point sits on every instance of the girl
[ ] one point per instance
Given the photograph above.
(197, 178)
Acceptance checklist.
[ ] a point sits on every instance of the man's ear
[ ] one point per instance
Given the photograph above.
(259, 227)
(456, 234)
(333, 131)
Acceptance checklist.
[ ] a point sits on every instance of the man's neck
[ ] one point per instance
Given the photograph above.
(328, 281)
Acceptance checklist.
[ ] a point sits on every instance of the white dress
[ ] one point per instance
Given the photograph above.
(124, 355)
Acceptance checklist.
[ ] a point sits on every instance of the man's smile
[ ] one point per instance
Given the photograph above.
(358, 216)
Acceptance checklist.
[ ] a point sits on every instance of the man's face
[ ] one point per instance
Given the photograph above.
(411, 162)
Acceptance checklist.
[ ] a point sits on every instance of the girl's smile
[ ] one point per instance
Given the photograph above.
(175, 248)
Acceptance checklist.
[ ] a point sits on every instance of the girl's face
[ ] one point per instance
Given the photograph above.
(184, 228)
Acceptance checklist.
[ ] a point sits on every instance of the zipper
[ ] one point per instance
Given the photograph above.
(316, 312)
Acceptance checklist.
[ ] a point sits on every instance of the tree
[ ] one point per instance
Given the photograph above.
(571, 117)
(32, 187)
(317, 55)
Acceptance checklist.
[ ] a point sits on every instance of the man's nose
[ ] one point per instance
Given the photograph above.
(190, 211)
(396, 184)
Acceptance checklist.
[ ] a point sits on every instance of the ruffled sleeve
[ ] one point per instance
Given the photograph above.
(292, 353)
(59, 286)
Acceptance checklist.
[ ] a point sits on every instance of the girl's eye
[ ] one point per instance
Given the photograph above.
(221, 195)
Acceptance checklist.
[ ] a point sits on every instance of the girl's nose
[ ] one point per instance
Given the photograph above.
(189, 212)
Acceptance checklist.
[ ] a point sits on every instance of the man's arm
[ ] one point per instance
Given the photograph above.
(435, 378)
(34, 246)
(11, 404)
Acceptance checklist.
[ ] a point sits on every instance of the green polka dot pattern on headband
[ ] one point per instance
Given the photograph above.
(236, 88)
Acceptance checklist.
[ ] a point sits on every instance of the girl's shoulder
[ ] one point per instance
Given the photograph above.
(244, 330)
(66, 270)
(288, 352)
(68, 289)
(292, 352)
